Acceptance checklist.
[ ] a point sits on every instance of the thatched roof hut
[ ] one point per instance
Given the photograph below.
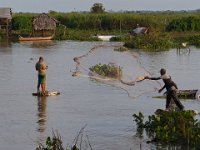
(43, 23)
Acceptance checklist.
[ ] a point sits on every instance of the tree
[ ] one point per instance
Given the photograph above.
(97, 8)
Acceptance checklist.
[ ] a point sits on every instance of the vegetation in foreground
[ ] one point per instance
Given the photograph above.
(170, 128)
(55, 142)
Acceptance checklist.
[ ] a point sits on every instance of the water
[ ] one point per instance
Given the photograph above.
(106, 110)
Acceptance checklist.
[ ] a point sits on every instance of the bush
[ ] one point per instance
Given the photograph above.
(107, 70)
(171, 127)
(195, 40)
(153, 41)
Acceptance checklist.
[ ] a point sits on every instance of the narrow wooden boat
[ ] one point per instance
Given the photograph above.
(185, 94)
(35, 38)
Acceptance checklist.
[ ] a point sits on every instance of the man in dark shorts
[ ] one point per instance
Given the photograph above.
(41, 67)
(171, 88)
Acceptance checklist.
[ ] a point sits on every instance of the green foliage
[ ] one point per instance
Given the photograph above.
(153, 41)
(61, 33)
(22, 21)
(171, 127)
(81, 35)
(195, 40)
(115, 21)
(83, 26)
(54, 143)
(97, 8)
(107, 70)
(108, 21)
(190, 23)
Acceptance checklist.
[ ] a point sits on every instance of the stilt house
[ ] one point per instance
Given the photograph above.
(5, 20)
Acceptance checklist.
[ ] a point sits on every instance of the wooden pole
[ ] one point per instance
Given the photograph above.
(7, 27)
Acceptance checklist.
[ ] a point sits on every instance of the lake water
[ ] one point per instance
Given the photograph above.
(104, 109)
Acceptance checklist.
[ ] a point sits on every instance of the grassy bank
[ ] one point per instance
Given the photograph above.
(167, 29)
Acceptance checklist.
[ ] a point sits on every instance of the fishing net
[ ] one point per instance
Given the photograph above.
(133, 72)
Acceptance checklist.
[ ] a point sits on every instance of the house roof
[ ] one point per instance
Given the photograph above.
(5, 13)
(44, 22)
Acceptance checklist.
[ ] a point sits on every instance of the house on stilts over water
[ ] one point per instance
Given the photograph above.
(5, 21)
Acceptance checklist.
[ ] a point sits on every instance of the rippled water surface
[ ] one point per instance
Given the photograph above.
(105, 109)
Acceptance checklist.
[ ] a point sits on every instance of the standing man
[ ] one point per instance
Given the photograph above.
(41, 67)
(171, 88)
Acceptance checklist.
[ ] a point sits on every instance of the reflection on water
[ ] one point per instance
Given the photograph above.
(42, 116)
(39, 44)
(6, 61)
(4, 43)
(5, 46)
(43, 44)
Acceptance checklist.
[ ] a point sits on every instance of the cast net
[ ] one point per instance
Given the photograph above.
(133, 72)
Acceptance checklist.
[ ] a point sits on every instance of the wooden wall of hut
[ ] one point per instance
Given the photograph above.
(5, 21)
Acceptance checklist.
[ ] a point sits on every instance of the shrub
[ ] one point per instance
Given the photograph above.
(107, 70)
(171, 127)
(153, 41)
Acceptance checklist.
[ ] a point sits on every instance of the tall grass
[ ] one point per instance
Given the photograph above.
(165, 27)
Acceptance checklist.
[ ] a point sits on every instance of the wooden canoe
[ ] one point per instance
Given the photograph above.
(187, 94)
(53, 93)
(184, 94)
(35, 38)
